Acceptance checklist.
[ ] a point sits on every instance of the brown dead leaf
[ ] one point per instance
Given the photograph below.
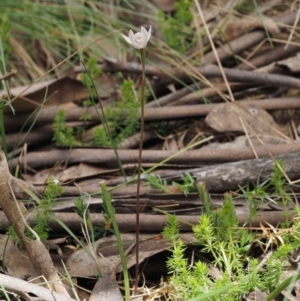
(226, 117)
(106, 84)
(81, 264)
(75, 172)
(239, 27)
(106, 288)
(17, 262)
(56, 91)
(292, 63)
(18, 186)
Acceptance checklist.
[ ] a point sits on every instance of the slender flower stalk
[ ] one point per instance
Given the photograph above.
(139, 41)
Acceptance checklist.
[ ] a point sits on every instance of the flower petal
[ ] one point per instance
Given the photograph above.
(131, 37)
(143, 41)
(126, 38)
(138, 40)
(149, 34)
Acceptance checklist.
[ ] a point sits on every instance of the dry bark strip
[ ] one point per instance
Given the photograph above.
(107, 157)
(37, 251)
(152, 223)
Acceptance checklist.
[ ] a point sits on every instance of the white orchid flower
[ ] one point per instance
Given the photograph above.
(140, 39)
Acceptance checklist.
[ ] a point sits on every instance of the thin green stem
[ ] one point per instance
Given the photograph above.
(2, 102)
(283, 285)
(2, 130)
(137, 229)
(107, 199)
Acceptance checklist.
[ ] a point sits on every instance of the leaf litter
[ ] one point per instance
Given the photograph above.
(264, 47)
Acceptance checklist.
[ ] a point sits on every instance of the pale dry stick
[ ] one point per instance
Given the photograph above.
(26, 289)
(37, 251)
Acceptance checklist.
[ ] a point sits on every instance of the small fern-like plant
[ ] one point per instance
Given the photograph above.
(187, 281)
(63, 135)
(272, 190)
(219, 235)
(121, 127)
(43, 211)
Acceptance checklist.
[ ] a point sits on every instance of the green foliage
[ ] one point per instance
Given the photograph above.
(271, 189)
(254, 197)
(4, 44)
(96, 232)
(156, 182)
(219, 235)
(101, 137)
(88, 81)
(81, 208)
(4, 37)
(280, 183)
(163, 129)
(186, 186)
(94, 71)
(59, 27)
(176, 29)
(63, 136)
(110, 213)
(245, 6)
(43, 211)
(187, 281)
(120, 127)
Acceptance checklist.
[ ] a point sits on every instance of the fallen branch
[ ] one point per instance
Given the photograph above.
(26, 290)
(153, 223)
(107, 156)
(15, 213)
(162, 113)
